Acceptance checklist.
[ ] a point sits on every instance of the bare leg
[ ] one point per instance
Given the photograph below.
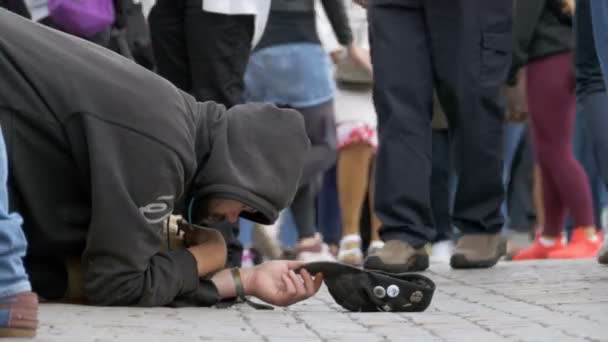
(353, 177)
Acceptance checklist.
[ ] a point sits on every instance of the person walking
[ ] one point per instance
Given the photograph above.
(544, 44)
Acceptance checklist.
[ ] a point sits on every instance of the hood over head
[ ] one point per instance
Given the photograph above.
(252, 153)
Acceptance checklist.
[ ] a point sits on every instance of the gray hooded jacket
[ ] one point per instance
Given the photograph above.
(101, 151)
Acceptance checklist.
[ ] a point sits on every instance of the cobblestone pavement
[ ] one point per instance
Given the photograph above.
(526, 301)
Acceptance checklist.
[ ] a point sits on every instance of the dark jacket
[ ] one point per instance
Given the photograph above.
(540, 29)
(292, 21)
(101, 151)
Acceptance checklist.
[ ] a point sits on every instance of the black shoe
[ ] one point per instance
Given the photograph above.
(397, 257)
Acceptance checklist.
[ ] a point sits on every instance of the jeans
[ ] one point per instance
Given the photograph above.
(296, 75)
(587, 155)
(590, 142)
(513, 135)
(329, 220)
(599, 19)
(13, 278)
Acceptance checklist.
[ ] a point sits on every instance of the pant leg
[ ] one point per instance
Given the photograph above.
(218, 48)
(166, 21)
(599, 19)
(328, 208)
(470, 94)
(321, 130)
(440, 189)
(303, 210)
(512, 139)
(521, 200)
(403, 93)
(13, 245)
(592, 99)
(585, 153)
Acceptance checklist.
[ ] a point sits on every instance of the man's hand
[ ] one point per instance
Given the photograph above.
(276, 283)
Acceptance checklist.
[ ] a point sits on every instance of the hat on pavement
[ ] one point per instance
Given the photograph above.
(368, 291)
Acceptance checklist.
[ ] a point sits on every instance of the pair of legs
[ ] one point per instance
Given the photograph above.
(565, 186)
(200, 52)
(321, 129)
(204, 54)
(18, 306)
(415, 45)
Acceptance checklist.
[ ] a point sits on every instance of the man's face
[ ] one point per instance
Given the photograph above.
(220, 210)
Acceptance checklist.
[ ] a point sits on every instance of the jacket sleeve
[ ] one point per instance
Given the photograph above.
(134, 182)
(526, 16)
(336, 13)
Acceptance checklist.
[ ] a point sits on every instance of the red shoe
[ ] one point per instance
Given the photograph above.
(538, 251)
(580, 247)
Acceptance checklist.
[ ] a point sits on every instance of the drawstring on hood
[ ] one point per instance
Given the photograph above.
(251, 153)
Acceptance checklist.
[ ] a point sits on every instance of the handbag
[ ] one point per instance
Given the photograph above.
(83, 18)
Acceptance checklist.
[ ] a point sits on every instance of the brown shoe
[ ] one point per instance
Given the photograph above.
(19, 315)
(478, 251)
(397, 257)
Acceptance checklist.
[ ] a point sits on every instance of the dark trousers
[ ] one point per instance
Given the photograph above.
(204, 54)
(461, 48)
(200, 52)
(592, 100)
(442, 185)
(321, 130)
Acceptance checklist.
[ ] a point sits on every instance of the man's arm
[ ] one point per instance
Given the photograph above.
(134, 182)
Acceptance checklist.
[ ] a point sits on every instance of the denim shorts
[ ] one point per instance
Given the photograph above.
(296, 75)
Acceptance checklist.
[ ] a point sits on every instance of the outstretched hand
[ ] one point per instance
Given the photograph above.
(276, 283)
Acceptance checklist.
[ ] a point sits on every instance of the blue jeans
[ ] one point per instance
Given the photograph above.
(586, 154)
(513, 135)
(296, 75)
(590, 140)
(13, 278)
(599, 16)
(328, 205)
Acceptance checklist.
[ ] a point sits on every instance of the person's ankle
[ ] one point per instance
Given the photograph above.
(590, 232)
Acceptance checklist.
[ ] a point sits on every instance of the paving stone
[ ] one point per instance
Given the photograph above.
(524, 301)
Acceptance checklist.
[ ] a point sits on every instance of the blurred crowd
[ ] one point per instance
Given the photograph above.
(434, 134)
(315, 61)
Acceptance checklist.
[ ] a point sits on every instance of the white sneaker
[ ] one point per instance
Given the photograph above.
(350, 250)
(442, 251)
(314, 249)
